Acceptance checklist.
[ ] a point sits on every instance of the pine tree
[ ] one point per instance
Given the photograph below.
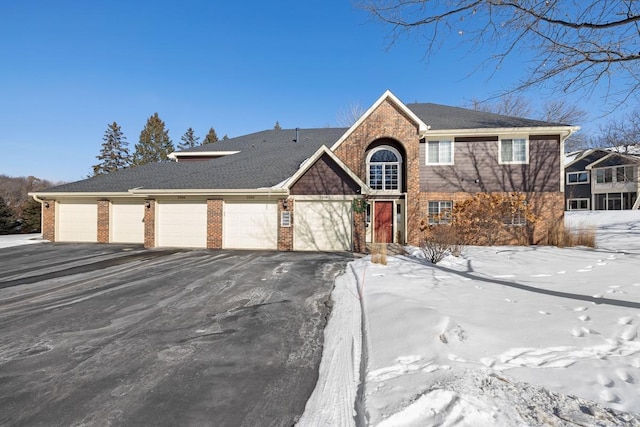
(6, 217)
(154, 144)
(31, 213)
(189, 140)
(211, 137)
(114, 154)
(277, 126)
(225, 137)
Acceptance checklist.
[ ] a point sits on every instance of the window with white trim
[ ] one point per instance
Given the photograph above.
(384, 169)
(578, 177)
(514, 151)
(439, 211)
(625, 174)
(578, 204)
(439, 152)
(604, 175)
(514, 214)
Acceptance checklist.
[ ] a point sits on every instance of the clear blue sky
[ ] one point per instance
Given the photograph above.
(69, 68)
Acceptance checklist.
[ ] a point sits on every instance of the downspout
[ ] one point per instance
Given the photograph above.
(35, 197)
(42, 202)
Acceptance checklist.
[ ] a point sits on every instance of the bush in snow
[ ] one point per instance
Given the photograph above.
(494, 218)
(439, 240)
(379, 254)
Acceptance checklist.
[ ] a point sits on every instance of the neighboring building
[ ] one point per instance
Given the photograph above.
(319, 189)
(601, 179)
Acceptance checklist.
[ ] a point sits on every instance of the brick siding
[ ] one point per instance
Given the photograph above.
(49, 220)
(285, 234)
(548, 208)
(214, 223)
(359, 232)
(389, 122)
(150, 224)
(103, 221)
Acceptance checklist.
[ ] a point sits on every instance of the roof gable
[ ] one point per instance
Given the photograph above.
(614, 159)
(387, 96)
(334, 164)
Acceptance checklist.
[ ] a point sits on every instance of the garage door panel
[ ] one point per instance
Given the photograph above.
(182, 224)
(77, 222)
(322, 226)
(127, 222)
(250, 225)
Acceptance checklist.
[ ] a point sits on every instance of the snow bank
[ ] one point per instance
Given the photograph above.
(10, 240)
(504, 336)
(333, 399)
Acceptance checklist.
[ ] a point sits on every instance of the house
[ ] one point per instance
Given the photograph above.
(601, 179)
(318, 189)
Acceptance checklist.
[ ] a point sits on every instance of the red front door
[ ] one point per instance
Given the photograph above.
(383, 222)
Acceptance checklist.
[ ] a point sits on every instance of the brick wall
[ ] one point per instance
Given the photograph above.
(548, 208)
(214, 223)
(150, 224)
(103, 221)
(285, 234)
(49, 220)
(359, 232)
(387, 121)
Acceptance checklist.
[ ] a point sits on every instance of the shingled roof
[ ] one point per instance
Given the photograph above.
(264, 160)
(441, 117)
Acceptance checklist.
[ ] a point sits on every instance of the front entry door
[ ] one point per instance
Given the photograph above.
(383, 222)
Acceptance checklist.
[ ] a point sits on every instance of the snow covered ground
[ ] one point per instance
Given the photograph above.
(504, 336)
(9, 240)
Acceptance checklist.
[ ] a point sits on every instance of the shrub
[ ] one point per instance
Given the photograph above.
(379, 253)
(561, 236)
(439, 240)
(488, 218)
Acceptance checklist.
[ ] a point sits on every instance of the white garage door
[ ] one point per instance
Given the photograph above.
(322, 225)
(126, 222)
(250, 225)
(77, 222)
(181, 224)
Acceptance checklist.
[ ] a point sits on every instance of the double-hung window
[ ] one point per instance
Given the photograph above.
(439, 152)
(440, 212)
(514, 150)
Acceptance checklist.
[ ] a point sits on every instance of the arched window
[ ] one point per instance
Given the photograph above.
(384, 169)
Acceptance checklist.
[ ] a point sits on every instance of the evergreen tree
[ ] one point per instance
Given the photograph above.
(6, 217)
(114, 154)
(225, 137)
(277, 125)
(31, 214)
(189, 140)
(154, 144)
(211, 137)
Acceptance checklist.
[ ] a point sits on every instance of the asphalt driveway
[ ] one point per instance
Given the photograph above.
(119, 335)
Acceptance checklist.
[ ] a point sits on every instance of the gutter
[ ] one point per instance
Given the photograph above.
(211, 192)
(141, 193)
(37, 195)
(567, 133)
(537, 130)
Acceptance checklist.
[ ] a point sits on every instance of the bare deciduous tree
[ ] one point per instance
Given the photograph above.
(350, 114)
(508, 105)
(575, 44)
(621, 133)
